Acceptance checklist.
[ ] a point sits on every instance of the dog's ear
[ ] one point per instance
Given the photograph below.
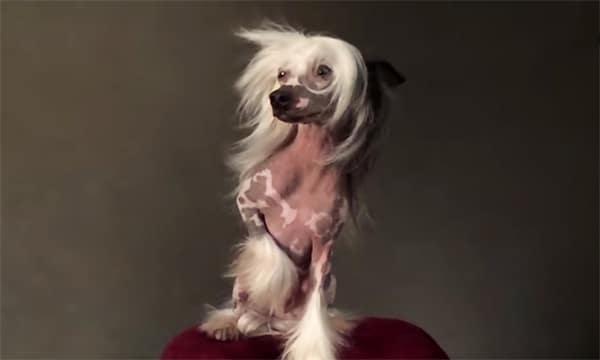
(383, 73)
(381, 77)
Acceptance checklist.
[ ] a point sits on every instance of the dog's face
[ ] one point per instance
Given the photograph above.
(311, 74)
(302, 78)
(302, 92)
(311, 79)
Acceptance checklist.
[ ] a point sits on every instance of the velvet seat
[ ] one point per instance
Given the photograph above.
(373, 338)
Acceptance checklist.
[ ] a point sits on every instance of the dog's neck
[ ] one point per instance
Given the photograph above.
(312, 143)
(302, 162)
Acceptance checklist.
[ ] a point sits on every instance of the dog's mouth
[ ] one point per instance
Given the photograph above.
(296, 118)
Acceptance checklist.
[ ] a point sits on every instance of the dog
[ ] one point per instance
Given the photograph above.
(314, 108)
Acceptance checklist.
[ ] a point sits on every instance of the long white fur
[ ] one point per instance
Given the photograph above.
(268, 273)
(313, 337)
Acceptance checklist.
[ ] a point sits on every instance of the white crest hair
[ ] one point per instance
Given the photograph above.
(349, 122)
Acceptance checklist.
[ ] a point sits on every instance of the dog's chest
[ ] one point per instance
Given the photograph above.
(299, 200)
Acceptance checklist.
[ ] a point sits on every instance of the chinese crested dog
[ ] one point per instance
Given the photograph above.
(313, 107)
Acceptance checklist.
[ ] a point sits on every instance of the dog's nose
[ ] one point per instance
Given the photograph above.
(280, 99)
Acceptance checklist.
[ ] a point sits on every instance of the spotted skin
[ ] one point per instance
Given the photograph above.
(299, 202)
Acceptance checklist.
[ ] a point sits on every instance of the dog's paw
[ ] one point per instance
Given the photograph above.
(221, 325)
(228, 333)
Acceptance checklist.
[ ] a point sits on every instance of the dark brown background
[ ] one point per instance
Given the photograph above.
(116, 117)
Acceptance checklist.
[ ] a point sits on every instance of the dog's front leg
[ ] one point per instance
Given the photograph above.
(315, 337)
(223, 323)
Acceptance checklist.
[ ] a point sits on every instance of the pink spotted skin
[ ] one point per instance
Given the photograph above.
(300, 202)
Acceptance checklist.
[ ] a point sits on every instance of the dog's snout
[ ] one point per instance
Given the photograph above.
(280, 99)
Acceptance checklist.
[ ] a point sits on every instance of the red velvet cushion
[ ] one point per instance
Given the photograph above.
(373, 338)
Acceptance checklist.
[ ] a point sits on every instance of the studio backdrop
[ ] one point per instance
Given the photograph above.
(117, 116)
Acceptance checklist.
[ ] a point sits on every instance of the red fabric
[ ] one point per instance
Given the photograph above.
(373, 338)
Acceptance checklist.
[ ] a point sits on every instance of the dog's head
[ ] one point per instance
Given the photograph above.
(314, 75)
(304, 78)
(310, 79)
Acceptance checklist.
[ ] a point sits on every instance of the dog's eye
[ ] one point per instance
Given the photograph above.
(281, 74)
(323, 70)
